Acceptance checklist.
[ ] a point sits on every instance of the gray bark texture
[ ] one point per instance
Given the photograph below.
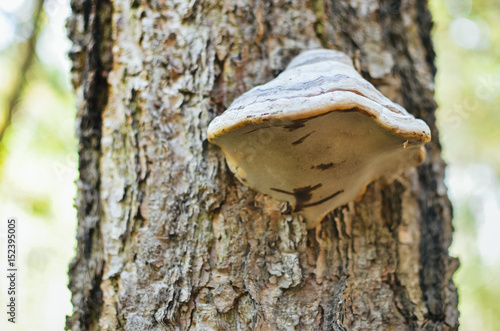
(169, 240)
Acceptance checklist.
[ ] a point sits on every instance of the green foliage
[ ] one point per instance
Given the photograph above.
(37, 174)
(466, 39)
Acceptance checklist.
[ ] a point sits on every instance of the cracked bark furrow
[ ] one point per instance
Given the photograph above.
(89, 29)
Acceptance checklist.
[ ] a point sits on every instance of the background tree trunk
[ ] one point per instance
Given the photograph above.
(167, 238)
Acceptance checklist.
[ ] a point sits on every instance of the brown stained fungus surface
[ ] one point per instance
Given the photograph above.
(303, 195)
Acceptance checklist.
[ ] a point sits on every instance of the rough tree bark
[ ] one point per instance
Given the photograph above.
(168, 239)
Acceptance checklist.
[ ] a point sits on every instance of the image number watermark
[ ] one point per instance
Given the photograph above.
(12, 268)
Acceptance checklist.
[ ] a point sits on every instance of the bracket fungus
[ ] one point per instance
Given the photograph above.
(317, 135)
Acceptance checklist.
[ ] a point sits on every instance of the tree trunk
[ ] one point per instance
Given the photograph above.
(168, 239)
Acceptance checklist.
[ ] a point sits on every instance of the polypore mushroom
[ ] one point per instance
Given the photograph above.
(317, 134)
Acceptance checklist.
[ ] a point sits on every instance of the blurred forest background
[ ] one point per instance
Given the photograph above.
(38, 158)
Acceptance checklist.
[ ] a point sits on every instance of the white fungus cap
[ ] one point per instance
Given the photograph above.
(317, 135)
